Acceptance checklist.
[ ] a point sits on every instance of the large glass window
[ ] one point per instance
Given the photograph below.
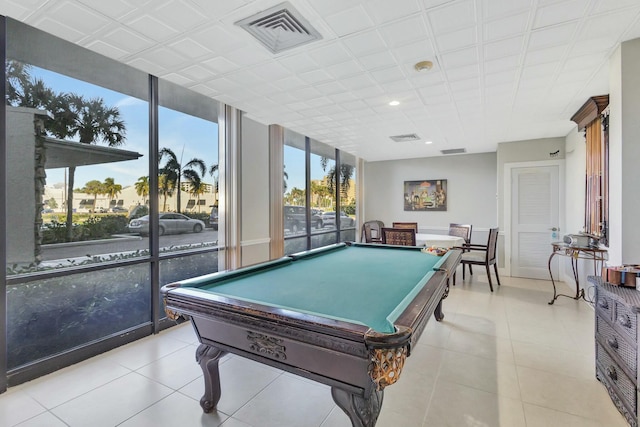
(315, 185)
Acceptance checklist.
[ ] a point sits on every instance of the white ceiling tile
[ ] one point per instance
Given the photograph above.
(299, 63)
(552, 54)
(126, 39)
(501, 78)
(151, 27)
(330, 87)
(345, 69)
(452, 16)
(77, 16)
(390, 74)
(607, 25)
(500, 8)
(357, 82)
(404, 31)
(365, 43)
(506, 27)
(465, 72)
(559, 12)
(147, 66)
(349, 21)
(377, 60)
(500, 64)
(502, 48)
(459, 58)
(190, 48)
(220, 39)
(601, 45)
(178, 79)
(430, 78)
(608, 5)
(396, 86)
(246, 78)
(560, 35)
(329, 7)
(289, 83)
(220, 65)
(330, 54)
(247, 56)
(316, 76)
(180, 14)
(218, 9)
(384, 11)
(414, 52)
(457, 39)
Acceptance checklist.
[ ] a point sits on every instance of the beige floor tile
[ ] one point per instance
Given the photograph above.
(481, 345)
(17, 406)
(46, 419)
(484, 374)
(564, 362)
(174, 370)
(336, 418)
(183, 332)
(112, 403)
(145, 351)
(240, 380)
(288, 402)
(68, 383)
(175, 410)
(455, 405)
(537, 416)
(581, 397)
(232, 422)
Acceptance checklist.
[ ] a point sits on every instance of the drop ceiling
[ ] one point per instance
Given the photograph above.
(504, 70)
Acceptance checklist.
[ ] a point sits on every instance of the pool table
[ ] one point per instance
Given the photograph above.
(345, 315)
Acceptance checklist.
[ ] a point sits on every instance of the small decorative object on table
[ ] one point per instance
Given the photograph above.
(433, 250)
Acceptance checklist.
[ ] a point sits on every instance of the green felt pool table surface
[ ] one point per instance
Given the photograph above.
(354, 283)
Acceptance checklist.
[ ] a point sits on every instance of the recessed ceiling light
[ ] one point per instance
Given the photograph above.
(424, 66)
(394, 103)
(428, 142)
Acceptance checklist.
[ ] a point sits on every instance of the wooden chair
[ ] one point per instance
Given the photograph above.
(463, 231)
(399, 236)
(483, 255)
(411, 225)
(372, 231)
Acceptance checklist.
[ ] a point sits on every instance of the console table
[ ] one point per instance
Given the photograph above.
(616, 336)
(597, 255)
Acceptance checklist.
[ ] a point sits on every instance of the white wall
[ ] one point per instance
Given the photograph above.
(575, 170)
(255, 192)
(471, 191)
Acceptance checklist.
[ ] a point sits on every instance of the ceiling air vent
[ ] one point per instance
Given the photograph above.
(405, 138)
(280, 27)
(454, 151)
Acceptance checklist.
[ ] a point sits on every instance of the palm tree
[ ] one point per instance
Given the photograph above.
(166, 187)
(142, 187)
(95, 188)
(344, 180)
(198, 191)
(91, 121)
(111, 189)
(175, 171)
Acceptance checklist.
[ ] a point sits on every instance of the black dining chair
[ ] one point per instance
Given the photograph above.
(399, 236)
(372, 231)
(482, 255)
(411, 225)
(464, 232)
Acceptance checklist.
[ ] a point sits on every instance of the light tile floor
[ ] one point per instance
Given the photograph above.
(498, 359)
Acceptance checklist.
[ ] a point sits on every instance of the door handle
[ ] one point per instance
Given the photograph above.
(554, 229)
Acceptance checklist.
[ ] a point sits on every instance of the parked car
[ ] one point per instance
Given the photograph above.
(168, 223)
(119, 209)
(329, 220)
(213, 217)
(295, 219)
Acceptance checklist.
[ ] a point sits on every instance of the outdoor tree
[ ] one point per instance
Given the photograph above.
(89, 120)
(165, 189)
(142, 187)
(174, 171)
(94, 188)
(111, 189)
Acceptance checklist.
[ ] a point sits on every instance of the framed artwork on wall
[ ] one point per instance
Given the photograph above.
(426, 195)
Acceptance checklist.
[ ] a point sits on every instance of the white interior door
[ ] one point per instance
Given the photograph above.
(535, 220)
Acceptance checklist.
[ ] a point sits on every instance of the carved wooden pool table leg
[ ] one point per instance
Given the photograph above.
(363, 412)
(208, 358)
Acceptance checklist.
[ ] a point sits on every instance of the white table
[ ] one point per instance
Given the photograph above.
(438, 240)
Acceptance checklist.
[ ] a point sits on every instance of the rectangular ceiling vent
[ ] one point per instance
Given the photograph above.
(405, 138)
(280, 27)
(454, 151)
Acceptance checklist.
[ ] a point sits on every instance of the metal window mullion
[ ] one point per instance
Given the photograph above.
(3, 212)
(154, 238)
(337, 190)
(307, 185)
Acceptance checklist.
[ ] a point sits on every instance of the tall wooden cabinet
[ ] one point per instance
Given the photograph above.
(616, 339)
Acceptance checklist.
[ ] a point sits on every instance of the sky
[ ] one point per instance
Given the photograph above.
(185, 135)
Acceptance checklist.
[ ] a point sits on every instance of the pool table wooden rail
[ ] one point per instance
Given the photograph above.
(348, 357)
